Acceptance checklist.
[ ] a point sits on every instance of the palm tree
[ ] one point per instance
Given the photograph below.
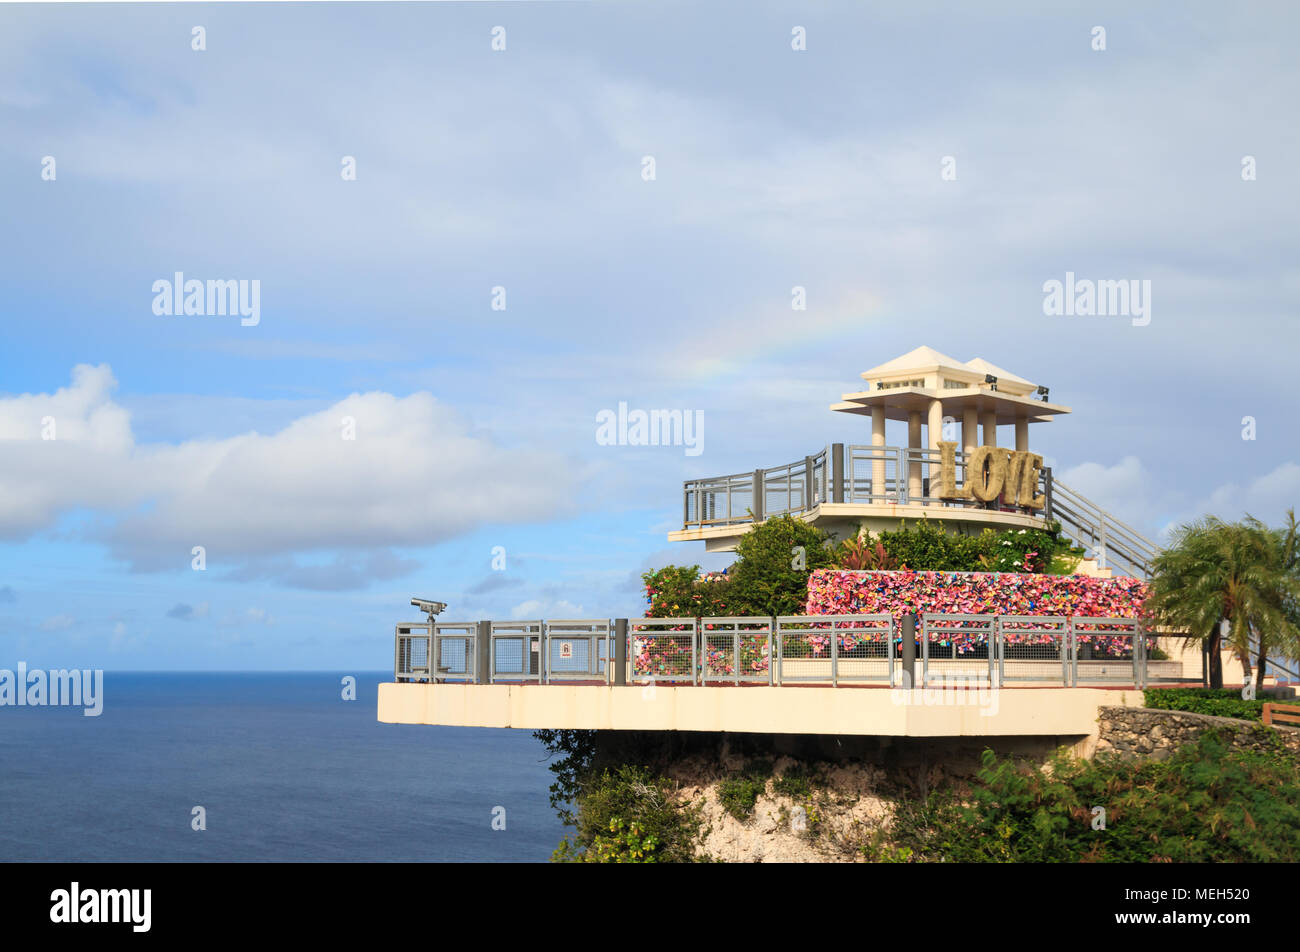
(1217, 571)
(1286, 556)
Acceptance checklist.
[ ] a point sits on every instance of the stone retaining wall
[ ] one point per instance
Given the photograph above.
(1155, 733)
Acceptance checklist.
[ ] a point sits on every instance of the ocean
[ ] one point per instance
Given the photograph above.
(283, 768)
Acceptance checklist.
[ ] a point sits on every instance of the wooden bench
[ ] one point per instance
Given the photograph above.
(1288, 714)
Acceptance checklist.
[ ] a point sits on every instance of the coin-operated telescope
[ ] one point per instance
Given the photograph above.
(430, 608)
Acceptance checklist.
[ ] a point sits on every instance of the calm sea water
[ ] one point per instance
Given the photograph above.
(285, 768)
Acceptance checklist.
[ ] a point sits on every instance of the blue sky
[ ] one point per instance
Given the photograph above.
(522, 168)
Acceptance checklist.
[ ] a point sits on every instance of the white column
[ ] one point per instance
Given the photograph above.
(933, 434)
(970, 437)
(1022, 433)
(878, 444)
(914, 466)
(990, 421)
(934, 424)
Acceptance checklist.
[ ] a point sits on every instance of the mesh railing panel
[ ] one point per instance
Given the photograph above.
(1033, 648)
(663, 649)
(738, 650)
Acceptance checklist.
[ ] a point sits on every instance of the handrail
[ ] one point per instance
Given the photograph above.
(1253, 644)
(764, 650)
(1123, 526)
(899, 475)
(840, 472)
(1078, 513)
(1133, 550)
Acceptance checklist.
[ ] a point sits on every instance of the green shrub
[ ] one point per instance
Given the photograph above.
(795, 783)
(576, 750)
(740, 791)
(771, 577)
(676, 591)
(776, 558)
(1219, 702)
(626, 843)
(926, 547)
(1207, 803)
(629, 816)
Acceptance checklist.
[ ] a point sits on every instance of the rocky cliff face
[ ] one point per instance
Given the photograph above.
(832, 822)
(794, 799)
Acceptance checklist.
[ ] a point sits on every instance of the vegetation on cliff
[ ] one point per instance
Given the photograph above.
(1206, 804)
(1209, 802)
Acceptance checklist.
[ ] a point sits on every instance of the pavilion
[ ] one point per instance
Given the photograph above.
(926, 385)
(847, 487)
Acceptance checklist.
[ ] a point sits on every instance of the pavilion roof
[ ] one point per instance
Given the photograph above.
(922, 358)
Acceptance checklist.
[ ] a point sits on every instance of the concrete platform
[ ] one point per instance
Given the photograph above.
(868, 711)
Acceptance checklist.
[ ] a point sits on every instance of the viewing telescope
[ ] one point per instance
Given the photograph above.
(430, 608)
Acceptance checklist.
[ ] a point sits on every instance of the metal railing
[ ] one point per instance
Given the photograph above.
(577, 650)
(454, 650)
(1039, 651)
(664, 649)
(900, 475)
(788, 649)
(411, 652)
(957, 643)
(865, 475)
(516, 651)
(720, 500)
(1101, 533)
(1107, 649)
(736, 650)
(835, 648)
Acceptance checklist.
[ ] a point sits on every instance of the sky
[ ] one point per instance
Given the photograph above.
(383, 431)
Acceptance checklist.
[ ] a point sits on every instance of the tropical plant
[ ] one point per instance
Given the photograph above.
(572, 754)
(857, 554)
(1229, 572)
(1288, 557)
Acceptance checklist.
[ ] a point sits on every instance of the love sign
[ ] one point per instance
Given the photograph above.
(992, 471)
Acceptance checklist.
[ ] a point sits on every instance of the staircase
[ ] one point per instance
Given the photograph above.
(1113, 543)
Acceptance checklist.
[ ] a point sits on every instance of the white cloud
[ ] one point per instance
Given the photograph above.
(1266, 497)
(415, 475)
(547, 608)
(1125, 490)
(1129, 491)
(1107, 484)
